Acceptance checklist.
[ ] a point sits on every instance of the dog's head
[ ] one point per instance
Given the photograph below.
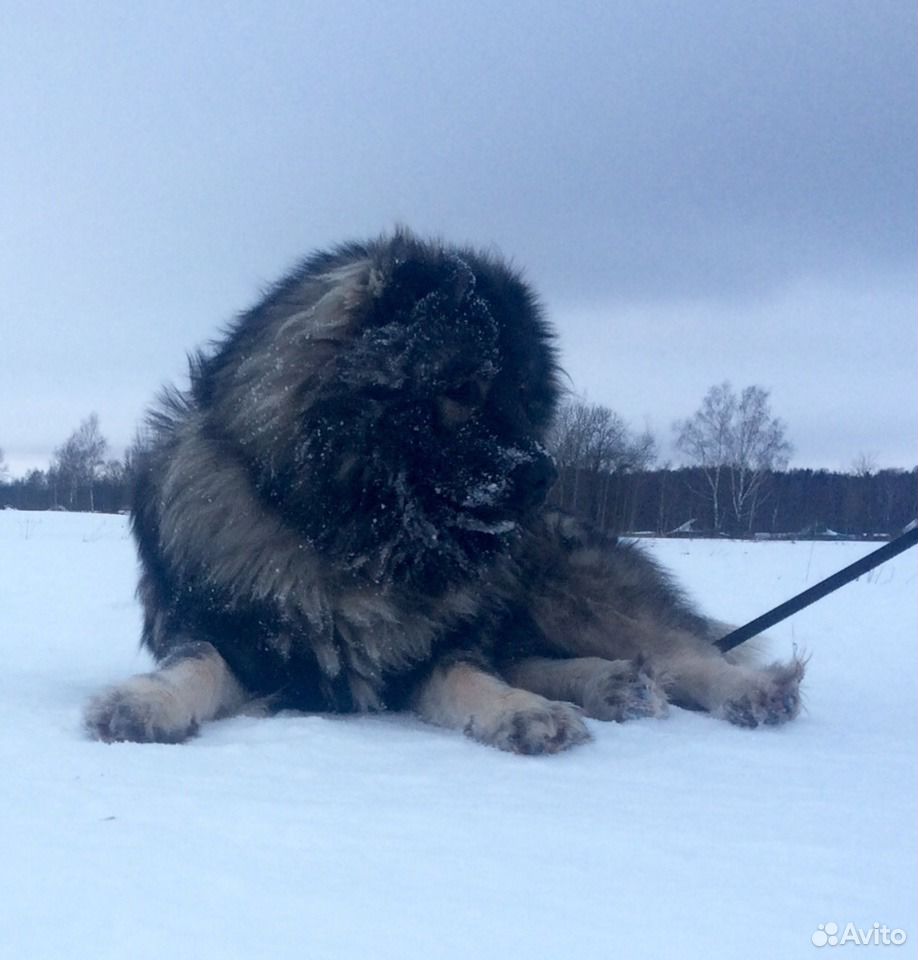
(398, 402)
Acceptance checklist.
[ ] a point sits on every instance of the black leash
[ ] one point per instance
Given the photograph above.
(889, 550)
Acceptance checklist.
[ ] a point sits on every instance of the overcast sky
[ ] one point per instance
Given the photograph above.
(700, 190)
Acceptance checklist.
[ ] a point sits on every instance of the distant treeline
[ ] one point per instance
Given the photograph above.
(661, 501)
(804, 502)
(48, 490)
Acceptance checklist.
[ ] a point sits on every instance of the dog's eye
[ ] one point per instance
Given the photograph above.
(463, 401)
(466, 394)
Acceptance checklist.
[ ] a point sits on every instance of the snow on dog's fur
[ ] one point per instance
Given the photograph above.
(345, 512)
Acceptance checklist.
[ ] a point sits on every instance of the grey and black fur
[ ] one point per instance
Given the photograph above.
(345, 512)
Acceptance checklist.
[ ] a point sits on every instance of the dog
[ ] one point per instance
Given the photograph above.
(346, 512)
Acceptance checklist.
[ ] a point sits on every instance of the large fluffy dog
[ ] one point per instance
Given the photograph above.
(345, 513)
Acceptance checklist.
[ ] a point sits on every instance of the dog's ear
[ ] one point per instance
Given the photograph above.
(409, 272)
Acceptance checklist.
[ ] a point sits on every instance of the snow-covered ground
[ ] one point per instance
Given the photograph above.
(378, 837)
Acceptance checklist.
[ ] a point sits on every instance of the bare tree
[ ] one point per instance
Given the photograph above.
(864, 464)
(705, 440)
(64, 473)
(736, 442)
(593, 437)
(590, 443)
(77, 461)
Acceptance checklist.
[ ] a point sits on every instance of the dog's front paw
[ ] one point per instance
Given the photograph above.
(530, 724)
(624, 690)
(772, 698)
(140, 710)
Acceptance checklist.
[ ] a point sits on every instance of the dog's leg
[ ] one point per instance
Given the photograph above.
(463, 696)
(694, 673)
(606, 689)
(192, 685)
(744, 695)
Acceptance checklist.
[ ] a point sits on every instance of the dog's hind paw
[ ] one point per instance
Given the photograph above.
(773, 697)
(624, 690)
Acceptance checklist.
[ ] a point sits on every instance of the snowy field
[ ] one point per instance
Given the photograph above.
(317, 837)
